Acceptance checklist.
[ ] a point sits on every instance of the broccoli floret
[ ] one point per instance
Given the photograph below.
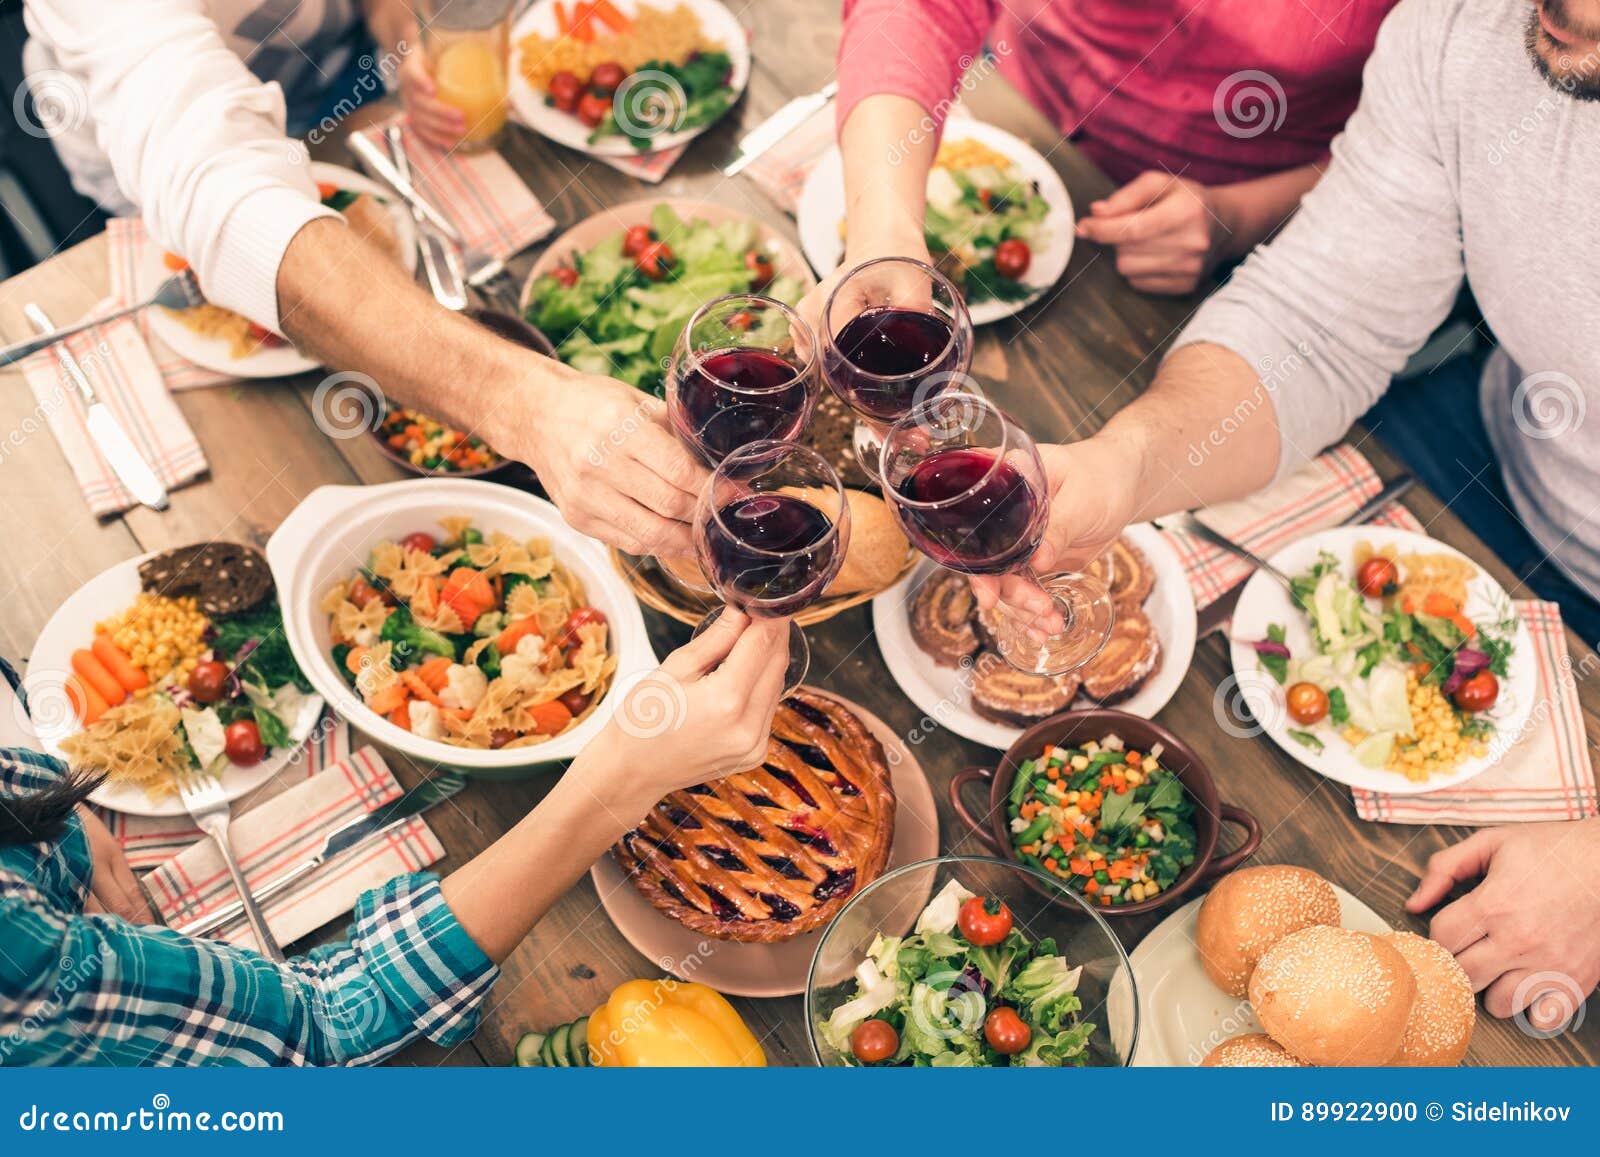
(412, 641)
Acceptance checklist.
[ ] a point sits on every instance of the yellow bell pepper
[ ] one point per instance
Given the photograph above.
(670, 1023)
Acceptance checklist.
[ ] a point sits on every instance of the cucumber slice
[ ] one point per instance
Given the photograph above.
(527, 1051)
(558, 1046)
(547, 1058)
(578, 1043)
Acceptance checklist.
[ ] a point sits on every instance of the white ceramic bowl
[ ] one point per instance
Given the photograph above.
(329, 535)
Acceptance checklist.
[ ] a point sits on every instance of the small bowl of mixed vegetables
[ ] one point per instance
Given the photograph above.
(1114, 807)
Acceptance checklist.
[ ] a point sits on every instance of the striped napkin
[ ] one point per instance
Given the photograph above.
(652, 168)
(286, 831)
(481, 195)
(149, 841)
(119, 366)
(782, 170)
(128, 243)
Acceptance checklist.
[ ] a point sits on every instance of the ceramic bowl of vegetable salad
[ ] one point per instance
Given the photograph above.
(1117, 809)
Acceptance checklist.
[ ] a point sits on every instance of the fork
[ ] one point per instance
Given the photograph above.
(208, 806)
(180, 291)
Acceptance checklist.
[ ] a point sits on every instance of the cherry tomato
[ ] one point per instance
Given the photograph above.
(874, 1041)
(760, 267)
(637, 237)
(208, 680)
(741, 321)
(575, 701)
(242, 742)
(1307, 703)
(1007, 1033)
(984, 920)
(655, 260)
(592, 108)
(362, 593)
(608, 75)
(419, 541)
(1478, 693)
(1377, 578)
(565, 89)
(1011, 258)
(569, 633)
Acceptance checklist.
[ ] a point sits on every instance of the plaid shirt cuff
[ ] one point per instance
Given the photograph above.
(422, 957)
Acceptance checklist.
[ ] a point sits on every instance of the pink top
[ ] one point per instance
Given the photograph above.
(1216, 90)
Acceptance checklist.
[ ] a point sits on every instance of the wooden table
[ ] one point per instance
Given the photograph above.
(1068, 363)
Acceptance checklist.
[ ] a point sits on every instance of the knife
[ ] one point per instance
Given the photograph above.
(777, 126)
(373, 158)
(360, 832)
(106, 432)
(1216, 616)
(441, 261)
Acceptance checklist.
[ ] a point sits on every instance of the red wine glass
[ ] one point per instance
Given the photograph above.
(771, 531)
(968, 487)
(894, 332)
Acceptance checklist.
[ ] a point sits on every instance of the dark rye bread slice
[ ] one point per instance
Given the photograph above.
(223, 577)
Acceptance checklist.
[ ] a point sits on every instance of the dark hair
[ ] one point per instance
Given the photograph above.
(30, 819)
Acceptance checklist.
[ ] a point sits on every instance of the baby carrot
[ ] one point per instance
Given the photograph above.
(94, 673)
(117, 662)
(86, 701)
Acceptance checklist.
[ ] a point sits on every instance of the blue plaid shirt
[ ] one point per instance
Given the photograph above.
(95, 989)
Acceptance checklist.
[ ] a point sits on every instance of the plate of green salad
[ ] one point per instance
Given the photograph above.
(614, 292)
(963, 962)
(998, 220)
(1390, 663)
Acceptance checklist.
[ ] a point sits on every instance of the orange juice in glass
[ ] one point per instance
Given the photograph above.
(468, 45)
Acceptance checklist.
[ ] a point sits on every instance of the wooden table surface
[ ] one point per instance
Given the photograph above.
(1062, 367)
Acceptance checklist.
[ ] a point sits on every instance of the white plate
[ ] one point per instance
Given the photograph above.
(1182, 1015)
(944, 694)
(716, 23)
(276, 361)
(72, 628)
(821, 208)
(1264, 602)
(767, 970)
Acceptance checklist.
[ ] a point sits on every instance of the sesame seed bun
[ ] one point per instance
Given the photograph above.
(1250, 911)
(1440, 1026)
(1334, 997)
(1253, 1050)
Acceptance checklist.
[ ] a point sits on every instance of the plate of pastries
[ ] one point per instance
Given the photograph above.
(939, 646)
(731, 882)
(1277, 967)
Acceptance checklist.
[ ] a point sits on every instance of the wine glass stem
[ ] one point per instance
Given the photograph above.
(1063, 606)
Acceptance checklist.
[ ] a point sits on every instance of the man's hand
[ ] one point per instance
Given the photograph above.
(1169, 232)
(603, 452)
(441, 125)
(1528, 935)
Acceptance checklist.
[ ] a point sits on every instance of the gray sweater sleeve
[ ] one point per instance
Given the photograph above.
(1370, 264)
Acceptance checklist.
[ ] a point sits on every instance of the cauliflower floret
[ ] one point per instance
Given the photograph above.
(464, 687)
(425, 723)
(365, 636)
(526, 662)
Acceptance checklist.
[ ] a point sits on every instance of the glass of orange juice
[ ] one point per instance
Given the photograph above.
(468, 47)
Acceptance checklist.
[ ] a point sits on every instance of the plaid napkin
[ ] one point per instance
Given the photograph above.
(119, 366)
(782, 170)
(481, 195)
(287, 831)
(127, 243)
(651, 168)
(149, 841)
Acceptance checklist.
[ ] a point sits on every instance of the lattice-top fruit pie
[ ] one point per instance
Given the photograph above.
(776, 851)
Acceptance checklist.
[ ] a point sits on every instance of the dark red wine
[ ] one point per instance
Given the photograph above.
(907, 345)
(731, 398)
(756, 582)
(989, 521)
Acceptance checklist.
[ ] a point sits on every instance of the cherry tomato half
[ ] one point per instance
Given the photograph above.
(242, 742)
(874, 1041)
(565, 276)
(607, 75)
(1012, 258)
(207, 680)
(569, 632)
(1007, 1033)
(637, 237)
(419, 541)
(1478, 693)
(655, 260)
(760, 267)
(592, 108)
(565, 89)
(1307, 703)
(1377, 578)
(983, 920)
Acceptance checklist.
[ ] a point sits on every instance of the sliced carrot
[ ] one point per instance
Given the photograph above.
(353, 660)
(608, 14)
(1439, 605)
(583, 21)
(173, 262)
(549, 718)
(94, 673)
(563, 20)
(471, 584)
(515, 633)
(466, 610)
(116, 660)
(418, 686)
(386, 699)
(326, 189)
(401, 715)
(86, 701)
(435, 672)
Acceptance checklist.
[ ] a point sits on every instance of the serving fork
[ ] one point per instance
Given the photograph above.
(208, 807)
(180, 291)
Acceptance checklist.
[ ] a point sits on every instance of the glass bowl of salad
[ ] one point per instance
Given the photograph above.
(963, 962)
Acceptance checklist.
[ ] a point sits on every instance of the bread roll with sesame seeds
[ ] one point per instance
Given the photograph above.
(1331, 996)
(1250, 911)
(1439, 1029)
(1253, 1050)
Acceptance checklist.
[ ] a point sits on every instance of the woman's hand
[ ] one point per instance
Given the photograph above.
(113, 889)
(913, 293)
(1169, 232)
(441, 125)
